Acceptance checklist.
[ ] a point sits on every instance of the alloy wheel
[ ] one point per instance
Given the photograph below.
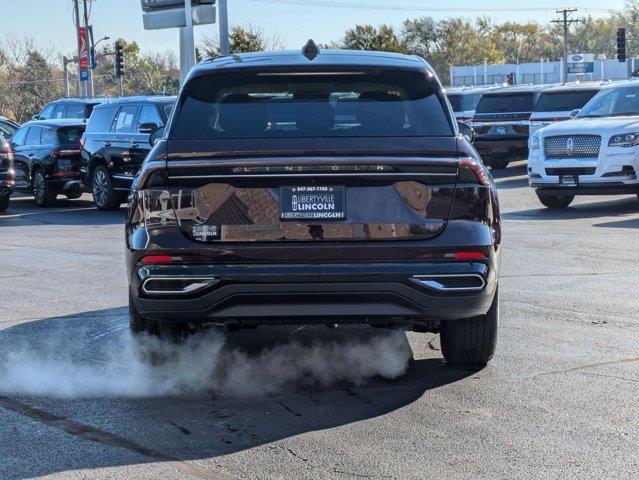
(100, 187)
(39, 187)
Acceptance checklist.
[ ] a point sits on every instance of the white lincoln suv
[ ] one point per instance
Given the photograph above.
(595, 153)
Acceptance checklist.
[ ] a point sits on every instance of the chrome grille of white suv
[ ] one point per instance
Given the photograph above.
(572, 146)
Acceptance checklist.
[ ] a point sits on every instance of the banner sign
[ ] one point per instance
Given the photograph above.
(83, 48)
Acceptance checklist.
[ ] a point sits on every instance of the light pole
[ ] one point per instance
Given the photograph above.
(93, 59)
(223, 18)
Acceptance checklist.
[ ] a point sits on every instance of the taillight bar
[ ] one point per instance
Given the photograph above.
(171, 259)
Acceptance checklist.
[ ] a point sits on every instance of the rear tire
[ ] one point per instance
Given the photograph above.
(471, 342)
(42, 193)
(496, 162)
(555, 201)
(4, 202)
(104, 196)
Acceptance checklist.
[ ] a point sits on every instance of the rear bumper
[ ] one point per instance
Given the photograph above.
(486, 145)
(303, 294)
(590, 188)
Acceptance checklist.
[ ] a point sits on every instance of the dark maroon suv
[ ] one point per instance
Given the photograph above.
(316, 188)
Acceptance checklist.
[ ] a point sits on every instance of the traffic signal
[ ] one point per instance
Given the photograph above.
(119, 59)
(510, 79)
(621, 44)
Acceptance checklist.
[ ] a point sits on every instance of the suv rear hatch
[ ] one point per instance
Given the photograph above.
(307, 156)
(504, 113)
(357, 195)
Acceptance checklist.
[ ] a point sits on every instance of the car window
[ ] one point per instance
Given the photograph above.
(47, 112)
(101, 119)
(20, 136)
(47, 136)
(58, 111)
(7, 129)
(463, 102)
(75, 110)
(33, 137)
(150, 114)
(123, 122)
(303, 105)
(88, 109)
(168, 108)
(613, 102)
(506, 103)
(70, 135)
(563, 101)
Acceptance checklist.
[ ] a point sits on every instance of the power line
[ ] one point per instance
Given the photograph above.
(412, 8)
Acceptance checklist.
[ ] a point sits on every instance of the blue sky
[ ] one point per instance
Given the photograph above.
(48, 22)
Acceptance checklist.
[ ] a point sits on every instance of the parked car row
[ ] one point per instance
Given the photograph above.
(503, 118)
(63, 153)
(579, 138)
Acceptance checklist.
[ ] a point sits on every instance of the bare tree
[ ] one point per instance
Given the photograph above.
(241, 39)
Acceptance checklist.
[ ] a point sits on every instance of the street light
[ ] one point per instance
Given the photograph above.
(101, 40)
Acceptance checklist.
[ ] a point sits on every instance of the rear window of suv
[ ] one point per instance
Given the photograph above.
(101, 119)
(302, 105)
(506, 103)
(464, 102)
(563, 101)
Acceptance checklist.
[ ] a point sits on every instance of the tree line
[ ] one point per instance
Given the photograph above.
(30, 77)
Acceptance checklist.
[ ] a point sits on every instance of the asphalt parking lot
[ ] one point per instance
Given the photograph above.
(558, 400)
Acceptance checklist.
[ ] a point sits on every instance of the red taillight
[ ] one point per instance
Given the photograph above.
(477, 170)
(469, 256)
(157, 259)
(6, 152)
(82, 141)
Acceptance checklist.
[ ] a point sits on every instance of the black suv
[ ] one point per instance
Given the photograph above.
(7, 173)
(68, 108)
(261, 206)
(47, 159)
(501, 123)
(115, 144)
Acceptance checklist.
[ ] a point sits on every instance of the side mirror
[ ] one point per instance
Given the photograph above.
(467, 131)
(156, 135)
(147, 127)
(575, 112)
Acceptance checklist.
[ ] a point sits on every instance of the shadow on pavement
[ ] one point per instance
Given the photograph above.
(23, 211)
(515, 169)
(130, 431)
(608, 208)
(631, 223)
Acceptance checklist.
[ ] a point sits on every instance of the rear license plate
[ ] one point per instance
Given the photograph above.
(313, 203)
(570, 180)
(500, 130)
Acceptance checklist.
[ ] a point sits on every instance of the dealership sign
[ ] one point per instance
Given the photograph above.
(581, 63)
(160, 14)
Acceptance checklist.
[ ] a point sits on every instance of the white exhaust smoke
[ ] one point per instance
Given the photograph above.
(205, 363)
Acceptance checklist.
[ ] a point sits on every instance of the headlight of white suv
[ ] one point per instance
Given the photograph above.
(624, 140)
(534, 143)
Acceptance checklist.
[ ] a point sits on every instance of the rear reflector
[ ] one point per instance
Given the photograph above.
(157, 259)
(470, 256)
(175, 259)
